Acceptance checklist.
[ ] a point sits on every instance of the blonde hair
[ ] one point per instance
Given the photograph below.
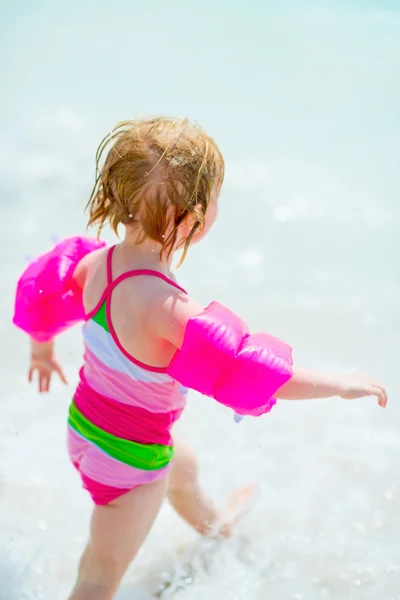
(156, 173)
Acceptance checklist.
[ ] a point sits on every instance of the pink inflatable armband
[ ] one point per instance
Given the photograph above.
(48, 299)
(221, 359)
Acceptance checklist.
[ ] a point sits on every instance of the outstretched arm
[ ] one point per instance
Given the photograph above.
(172, 315)
(307, 384)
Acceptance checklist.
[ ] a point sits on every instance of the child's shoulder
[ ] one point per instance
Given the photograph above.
(169, 308)
(154, 290)
(88, 263)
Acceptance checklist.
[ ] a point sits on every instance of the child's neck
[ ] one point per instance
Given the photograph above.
(144, 254)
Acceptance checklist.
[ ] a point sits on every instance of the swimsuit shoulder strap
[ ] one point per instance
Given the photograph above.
(111, 284)
(109, 265)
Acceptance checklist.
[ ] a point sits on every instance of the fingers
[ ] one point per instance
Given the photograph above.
(61, 375)
(373, 388)
(381, 394)
(43, 379)
(31, 374)
(45, 370)
(379, 391)
(44, 382)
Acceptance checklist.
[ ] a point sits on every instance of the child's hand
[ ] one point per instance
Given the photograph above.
(43, 361)
(358, 386)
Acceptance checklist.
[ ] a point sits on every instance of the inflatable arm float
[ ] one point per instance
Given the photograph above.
(48, 300)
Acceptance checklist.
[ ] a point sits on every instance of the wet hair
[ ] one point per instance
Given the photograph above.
(156, 173)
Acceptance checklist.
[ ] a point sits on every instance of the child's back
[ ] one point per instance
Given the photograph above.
(140, 288)
(125, 404)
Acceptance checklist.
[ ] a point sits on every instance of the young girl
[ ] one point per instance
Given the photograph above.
(145, 338)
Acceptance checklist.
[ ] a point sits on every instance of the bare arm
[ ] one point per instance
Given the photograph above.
(171, 315)
(83, 266)
(307, 385)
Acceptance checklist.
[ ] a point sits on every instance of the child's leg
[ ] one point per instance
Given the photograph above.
(117, 532)
(193, 505)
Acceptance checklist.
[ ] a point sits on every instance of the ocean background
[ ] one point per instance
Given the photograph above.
(304, 100)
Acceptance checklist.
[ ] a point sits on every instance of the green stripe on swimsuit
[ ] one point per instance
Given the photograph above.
(148, 457)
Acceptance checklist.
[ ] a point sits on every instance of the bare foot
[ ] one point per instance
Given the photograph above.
(236, 508)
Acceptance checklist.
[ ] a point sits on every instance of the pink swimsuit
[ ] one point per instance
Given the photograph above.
(122, 412)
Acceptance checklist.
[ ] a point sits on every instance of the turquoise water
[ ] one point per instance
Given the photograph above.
(303, 99)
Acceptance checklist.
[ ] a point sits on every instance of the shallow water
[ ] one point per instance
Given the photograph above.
(303, 99)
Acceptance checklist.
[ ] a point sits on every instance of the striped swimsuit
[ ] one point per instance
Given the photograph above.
(122, 412)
